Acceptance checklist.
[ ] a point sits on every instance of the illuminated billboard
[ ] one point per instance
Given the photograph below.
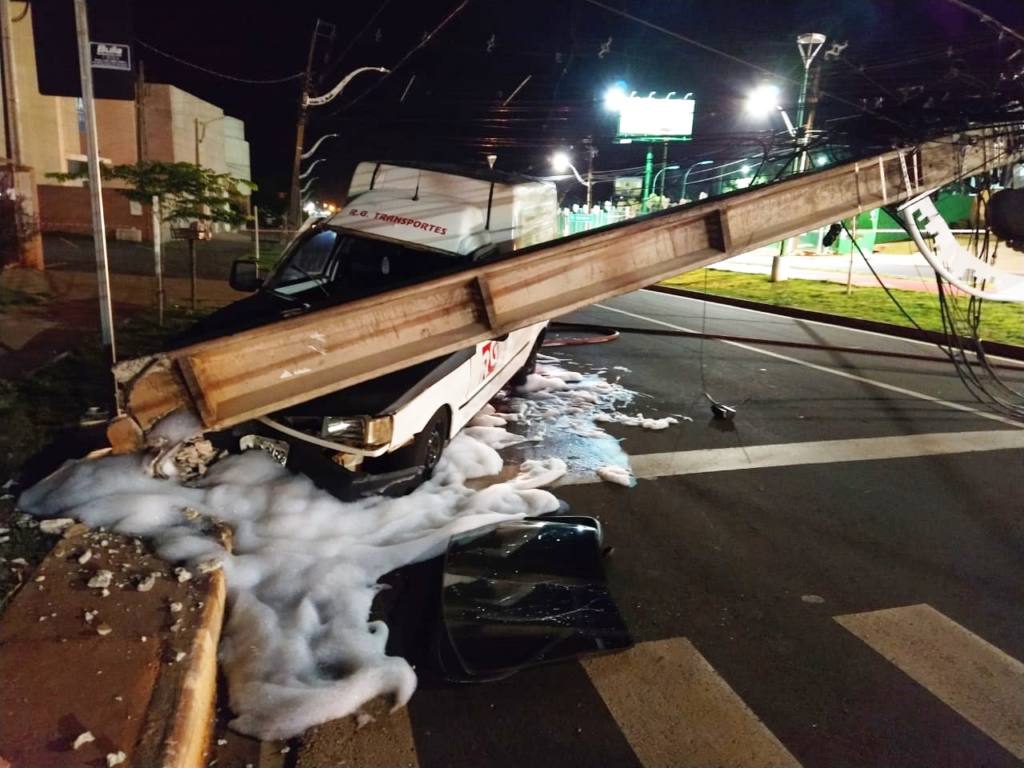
(655, 119)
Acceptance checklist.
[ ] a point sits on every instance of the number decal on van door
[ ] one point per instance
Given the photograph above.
(489, 353)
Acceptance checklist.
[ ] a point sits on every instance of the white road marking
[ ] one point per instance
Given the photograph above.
(888, 337)
(832, 371)
(677, 712)
(651, 465)
(971, 676)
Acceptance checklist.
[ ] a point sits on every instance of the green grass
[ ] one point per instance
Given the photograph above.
(36, 409)
(1002, 322)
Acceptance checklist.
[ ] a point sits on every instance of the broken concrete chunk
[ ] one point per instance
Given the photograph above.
(40, 578)
(175, 607)
(363, 719)
(115, 758)
(179, 655)
(56, 525)
(89, 616)
(104, 630)
(19, 561)
(83, 738)
(147, 583)
(183, 574)
(85, 557)
(78, 529)
(101, 580)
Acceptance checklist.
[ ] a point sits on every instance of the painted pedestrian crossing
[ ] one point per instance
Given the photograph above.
(676, 710)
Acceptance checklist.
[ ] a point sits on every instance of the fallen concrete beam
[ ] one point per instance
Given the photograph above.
(230, 380)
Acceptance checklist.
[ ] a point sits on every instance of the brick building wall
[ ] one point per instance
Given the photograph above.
(67, 209)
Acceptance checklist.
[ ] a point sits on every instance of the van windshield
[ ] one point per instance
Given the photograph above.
(343, 266)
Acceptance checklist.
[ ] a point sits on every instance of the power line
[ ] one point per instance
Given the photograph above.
(737, 59)
(248, 81)
(422, 43)
(986, 19)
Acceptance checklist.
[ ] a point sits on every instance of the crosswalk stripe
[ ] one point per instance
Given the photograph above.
(971, 676)
(384, 741)
(677, 712)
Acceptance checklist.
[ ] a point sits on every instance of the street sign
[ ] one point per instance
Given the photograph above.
(110, 29)
(115, 56)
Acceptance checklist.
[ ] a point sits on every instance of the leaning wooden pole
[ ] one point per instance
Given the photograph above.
(232, 379)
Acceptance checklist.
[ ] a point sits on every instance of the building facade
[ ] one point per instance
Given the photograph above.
(171, 126)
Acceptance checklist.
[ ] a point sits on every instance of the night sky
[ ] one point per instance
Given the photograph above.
(917, 65)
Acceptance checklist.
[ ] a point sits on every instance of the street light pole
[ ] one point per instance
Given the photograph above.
(591, 154)
(808, 44)
(99, 231)
(682, 192)
(654, 185)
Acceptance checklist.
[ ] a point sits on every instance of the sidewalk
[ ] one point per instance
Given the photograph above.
(127, 670)
(909, 272)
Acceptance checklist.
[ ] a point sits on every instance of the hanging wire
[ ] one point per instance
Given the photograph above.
(233, 78)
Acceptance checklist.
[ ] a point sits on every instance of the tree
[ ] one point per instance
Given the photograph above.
(179, 192)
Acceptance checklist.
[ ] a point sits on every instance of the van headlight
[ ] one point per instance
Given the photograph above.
(364, 431)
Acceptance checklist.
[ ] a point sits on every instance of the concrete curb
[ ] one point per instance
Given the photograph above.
(139, 675)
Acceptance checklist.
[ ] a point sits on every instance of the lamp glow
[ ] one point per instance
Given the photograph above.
(560, 162)
(615, 98)
(763, 100)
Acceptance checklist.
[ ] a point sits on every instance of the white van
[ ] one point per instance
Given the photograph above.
(401, 224)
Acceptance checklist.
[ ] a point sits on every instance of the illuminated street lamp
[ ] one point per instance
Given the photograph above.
(764, 100)
(682, 192)
(560, 163)
(615, 98)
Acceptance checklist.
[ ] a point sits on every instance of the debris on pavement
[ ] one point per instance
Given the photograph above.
(56, 525)
(101, 580)
(83, 738)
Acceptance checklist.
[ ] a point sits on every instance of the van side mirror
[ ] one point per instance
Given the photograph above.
(245, 275)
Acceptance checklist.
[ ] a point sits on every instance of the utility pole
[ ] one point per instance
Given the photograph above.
(294, 201)
(591, 154)
(12, 102)
(99, 232)
(808, 44)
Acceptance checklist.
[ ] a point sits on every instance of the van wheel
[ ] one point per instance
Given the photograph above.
(519, 377)
(430, 443)
(423, 453)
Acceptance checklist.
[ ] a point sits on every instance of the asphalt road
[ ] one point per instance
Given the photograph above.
(837, 584)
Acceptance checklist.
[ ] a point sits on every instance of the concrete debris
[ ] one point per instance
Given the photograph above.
(104, 592)
(89, 616)
(104, 630)
(221, 742)
(182, 574)
(85, 557)
(147, 583)
(78, 529)
(4, 539)
(83, 738)
(101, 580)
(175, 607)
(363, 719)
(56, 525)
(115, 758)
(180, 655)
(19, 561)
(40, 578)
